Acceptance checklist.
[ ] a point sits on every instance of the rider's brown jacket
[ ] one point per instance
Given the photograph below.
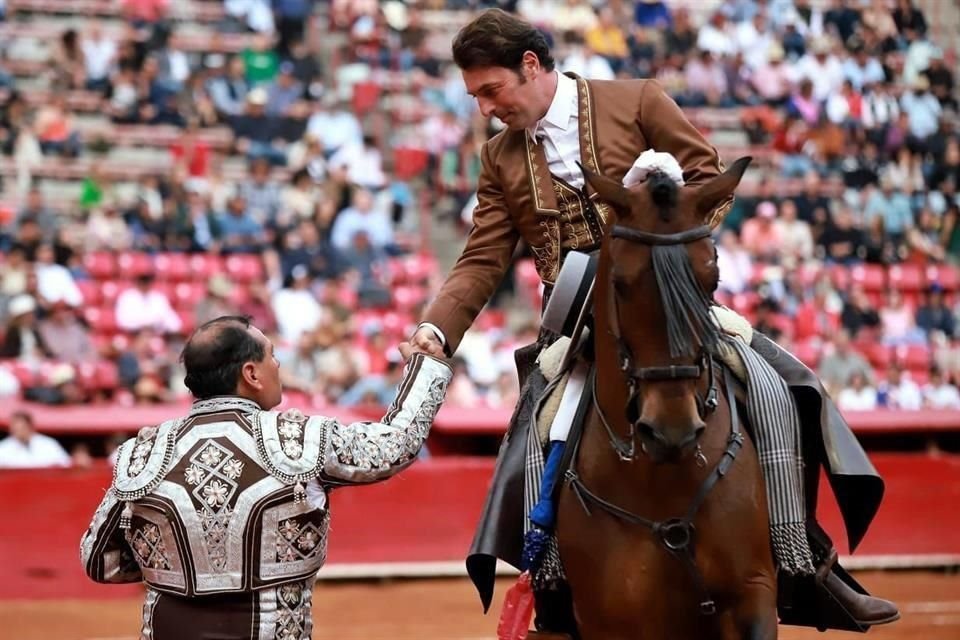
(618, 120)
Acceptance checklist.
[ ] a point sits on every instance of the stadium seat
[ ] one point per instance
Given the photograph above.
(407, 297)
(187, 320)
(173, 266)
(244, 268)
(877, 354)
(945, 275)
(90, 290)
(186, 295)
(101, 265)
(133, 264)
(204, 265)
(365, 97)
(111, 290)
(906, 277)
(808, 352)
(914, 357)
(870, 276)
(101, 319)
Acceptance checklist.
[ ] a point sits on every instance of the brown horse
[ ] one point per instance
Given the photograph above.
(662, 522)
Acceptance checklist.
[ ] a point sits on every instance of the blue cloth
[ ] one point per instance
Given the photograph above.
(544, 513)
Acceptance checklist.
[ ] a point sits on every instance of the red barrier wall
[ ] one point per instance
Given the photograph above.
(425, 514)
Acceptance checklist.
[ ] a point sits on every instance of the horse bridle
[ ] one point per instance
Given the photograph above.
(634, 375)
(675, 534)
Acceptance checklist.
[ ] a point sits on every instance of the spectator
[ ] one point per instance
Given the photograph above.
(840, 362)
(761, 236)
(99, 56)
(841, 241)
(938, 393)
(796, 239)
(145, 12)
(715, 36)
(897, 321)
(22, 340)
(858, 395)
(25, 448)
(360, 164)
(55, 128)
(217, 301)
(364, 215)
(106, 230)
(923, 113)
(260, 61)
(941, 81)
(258, 135)
(285, 93)
(143, 307)
(859, 314)
(296, 308)
(934, 315)
(898, 391)
(145, 367)
(66, 338)
(54, 281)
(229, 91)
(261, 193)
(334, 125)
(68, 64)
(240, 231)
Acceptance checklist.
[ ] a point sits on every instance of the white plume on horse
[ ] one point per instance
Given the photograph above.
(650, 161)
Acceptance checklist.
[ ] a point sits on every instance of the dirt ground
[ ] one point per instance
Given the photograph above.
(447, 609)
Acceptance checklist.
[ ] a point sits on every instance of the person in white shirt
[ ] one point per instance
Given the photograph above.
(142, 307)
(99, 56)
(858, 395)
(55, 283)
(899, 391)
(940, 394)
(26, 449)
(296, 307)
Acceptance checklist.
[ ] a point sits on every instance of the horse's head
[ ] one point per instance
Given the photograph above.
(655, 279)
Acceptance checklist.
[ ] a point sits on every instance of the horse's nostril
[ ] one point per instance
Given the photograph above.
(647, 432)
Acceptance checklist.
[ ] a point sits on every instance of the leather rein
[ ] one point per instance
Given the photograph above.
(675, 534)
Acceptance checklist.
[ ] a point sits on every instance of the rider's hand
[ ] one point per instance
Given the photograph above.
(423, 341)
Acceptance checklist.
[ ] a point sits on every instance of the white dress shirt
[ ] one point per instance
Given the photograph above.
(559, 132)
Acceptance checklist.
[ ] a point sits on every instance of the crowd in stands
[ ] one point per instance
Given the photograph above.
(304, 164)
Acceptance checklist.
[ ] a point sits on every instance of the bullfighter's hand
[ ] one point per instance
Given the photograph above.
(423, 341)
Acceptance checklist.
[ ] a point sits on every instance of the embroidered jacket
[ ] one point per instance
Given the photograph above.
(214, 503)
(520, 200)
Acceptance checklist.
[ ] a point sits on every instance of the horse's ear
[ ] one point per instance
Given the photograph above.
(607, 188)
(722, 187)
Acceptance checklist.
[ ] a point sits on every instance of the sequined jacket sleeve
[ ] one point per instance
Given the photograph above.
(104, 551)
(369, 451)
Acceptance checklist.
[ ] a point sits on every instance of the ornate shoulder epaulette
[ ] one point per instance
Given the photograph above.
(293, 446)
(142, 463)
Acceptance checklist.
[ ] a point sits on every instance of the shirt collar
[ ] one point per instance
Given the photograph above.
(224, 403)
(563, 106)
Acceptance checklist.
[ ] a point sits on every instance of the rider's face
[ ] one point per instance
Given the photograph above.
(514, 96)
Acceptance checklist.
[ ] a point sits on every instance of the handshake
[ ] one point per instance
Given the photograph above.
(424, 340)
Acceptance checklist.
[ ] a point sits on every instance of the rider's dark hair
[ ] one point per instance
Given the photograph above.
(498, 39)
(216, 352)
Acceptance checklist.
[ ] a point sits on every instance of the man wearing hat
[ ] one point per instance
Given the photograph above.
(532, 188)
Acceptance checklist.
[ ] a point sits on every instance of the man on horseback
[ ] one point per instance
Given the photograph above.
(532, 188)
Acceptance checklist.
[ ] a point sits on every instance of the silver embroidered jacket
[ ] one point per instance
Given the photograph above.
(214, 503)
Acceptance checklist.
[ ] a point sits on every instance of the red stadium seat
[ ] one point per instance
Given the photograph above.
(101, 320)
(407, 297)
(947, 276)
(808, 352)
(877, 354)
(173, 266)
(914, 357)
(186, 295)
(133, 264)
(420, 268)
(839, 276)
(111, 290)
(204, 265)
(870, 276)
(187, 320)
(906, 277)
(244, 268)
(90, 290)
(100, 264)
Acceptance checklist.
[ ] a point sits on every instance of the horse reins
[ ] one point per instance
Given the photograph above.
(676, 534)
